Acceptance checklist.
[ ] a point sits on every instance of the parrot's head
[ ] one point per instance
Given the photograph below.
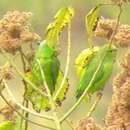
(44, 50)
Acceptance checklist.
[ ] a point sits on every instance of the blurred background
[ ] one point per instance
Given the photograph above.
(43, 12)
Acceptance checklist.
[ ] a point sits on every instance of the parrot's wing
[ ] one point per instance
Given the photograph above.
(106, 73)
(85, 79)
(51, 70)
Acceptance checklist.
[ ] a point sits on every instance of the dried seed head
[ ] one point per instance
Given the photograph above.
(6, 72)
(105, 28)
(118, 115)
(8, 112)
(14, 31)
(87, 124)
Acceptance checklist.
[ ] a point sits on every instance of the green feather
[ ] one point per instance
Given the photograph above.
(49, 63)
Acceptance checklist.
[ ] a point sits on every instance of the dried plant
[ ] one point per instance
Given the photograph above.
(8, 112)
(105, 28)
(88, 124)
(118, 114)
(15, 31)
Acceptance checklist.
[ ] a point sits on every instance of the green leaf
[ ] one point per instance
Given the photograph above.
(61, 19)
(84, 58)
(106, 55)
(7, 125)
(38, 101)
(42, 103)
(91, 20)
(62, 94)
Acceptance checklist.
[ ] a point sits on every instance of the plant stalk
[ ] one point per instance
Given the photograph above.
(67, 63)
(116, 26)
(25, 87)
(52, 102)
(94, 106)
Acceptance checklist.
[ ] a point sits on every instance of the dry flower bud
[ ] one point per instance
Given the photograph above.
(14, 31)
(87, 124)
(105, 28)
(5, 72)
(118, 115)
(8, 112)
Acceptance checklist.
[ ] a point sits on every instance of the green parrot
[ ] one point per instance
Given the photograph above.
(49, 63)
(107, 54)
(47, 51)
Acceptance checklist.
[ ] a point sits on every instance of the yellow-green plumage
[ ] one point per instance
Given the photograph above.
(107, 54)
(49, 63)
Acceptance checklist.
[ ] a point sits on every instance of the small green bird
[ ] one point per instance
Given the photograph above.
(106, 54)
(50, 65)
(48, 49)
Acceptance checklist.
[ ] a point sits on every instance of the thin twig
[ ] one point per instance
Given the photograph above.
(52, 102)
(94, 106)
(106, 4)
(68, 121)
(84, 94)
(24, 108)
(22, 59)
(21, 121)
(67, 63)
(117, 25)
(26, 114)
(25, 57)
(25, 85)
(21, 115)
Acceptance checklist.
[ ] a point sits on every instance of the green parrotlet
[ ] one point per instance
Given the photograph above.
(49, 62)
(106, 55)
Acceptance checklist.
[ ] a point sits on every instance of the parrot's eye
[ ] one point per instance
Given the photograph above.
(111, 50)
